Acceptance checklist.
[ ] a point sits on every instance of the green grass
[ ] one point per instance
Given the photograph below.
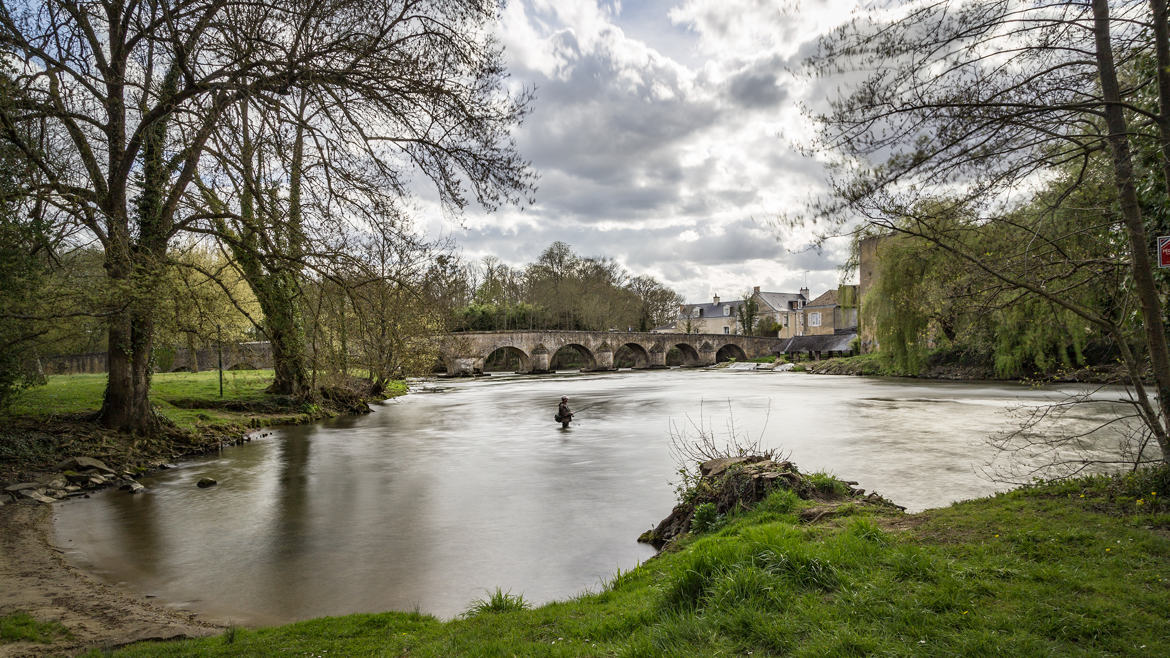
(1073, 569)
(496, 602)
(197, 393)
(71, 394)
(22, 627)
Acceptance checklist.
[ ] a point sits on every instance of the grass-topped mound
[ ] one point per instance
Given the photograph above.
(1072, 568)
(728, 485)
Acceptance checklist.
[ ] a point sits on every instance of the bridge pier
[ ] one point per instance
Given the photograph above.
(657, 357)
(540, 361)
(465, 366)
(603, 360)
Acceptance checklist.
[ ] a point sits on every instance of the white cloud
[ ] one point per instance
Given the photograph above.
(673, 164)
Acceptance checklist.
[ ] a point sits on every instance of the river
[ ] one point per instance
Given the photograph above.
(440, 496)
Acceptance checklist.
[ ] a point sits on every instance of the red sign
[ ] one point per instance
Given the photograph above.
(1164, 251)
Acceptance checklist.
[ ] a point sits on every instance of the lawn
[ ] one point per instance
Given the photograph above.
(73, 394)
(1072, 569)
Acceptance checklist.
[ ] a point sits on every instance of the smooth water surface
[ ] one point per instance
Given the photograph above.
(464, 486)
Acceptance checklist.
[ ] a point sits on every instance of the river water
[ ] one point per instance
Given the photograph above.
(440, 496)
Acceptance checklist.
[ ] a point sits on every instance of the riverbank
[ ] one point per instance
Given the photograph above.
(66, 610)
(1073, 568)
(51, 424)
(50, 448)
(872, 365)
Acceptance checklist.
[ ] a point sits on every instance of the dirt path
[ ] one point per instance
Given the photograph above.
(35, 578)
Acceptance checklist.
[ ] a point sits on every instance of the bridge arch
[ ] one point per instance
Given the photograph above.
(687, 355)
(730, 351)
(631, 351)
(584, 352)
(507, 358)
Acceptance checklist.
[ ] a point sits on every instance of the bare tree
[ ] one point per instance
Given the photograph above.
(971, 109)
(299, 176)
(132, 91)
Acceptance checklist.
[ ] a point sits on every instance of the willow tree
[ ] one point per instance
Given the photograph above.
(981, 104)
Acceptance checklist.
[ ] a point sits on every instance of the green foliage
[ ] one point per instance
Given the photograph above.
(487, 316)
(22, 627)
(926, 302)
(747, 314)
(896, 306)
(1035, 337)
(562, 290)
(847, 296)
(781, 501)
(706, 519)
(827, 484)
(767, 326)
(498, 601)
(866, 529)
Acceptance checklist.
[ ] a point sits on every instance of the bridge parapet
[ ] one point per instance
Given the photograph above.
(465, 353)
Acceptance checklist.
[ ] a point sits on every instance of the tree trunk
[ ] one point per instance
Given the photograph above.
(1139, 242)
(286, 332)
(126, 404)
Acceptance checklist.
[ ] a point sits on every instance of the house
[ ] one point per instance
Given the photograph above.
(832, 312)
(718, 317)
(786, 309)
(722, 317)
(830, 326)
(793, 313)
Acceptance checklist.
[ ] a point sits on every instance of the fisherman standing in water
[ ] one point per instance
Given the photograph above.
(564, 414)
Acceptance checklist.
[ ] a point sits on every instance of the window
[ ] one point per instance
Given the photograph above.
(726, 330)
(697, 312)
(814, 319)
(726, 309)
(785, 318)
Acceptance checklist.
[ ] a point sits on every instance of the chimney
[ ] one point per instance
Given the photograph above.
(755, 290)
(804, 291)
(716, 298)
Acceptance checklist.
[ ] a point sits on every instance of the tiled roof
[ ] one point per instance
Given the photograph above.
(779, 301)
(714, 310)
(827, 298)
(826, 343)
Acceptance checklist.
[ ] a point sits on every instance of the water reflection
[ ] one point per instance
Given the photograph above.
(434, 499)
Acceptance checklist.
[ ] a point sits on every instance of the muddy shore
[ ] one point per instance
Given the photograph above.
(35, 578)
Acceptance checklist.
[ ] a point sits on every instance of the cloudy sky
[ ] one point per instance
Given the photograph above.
(662, 133)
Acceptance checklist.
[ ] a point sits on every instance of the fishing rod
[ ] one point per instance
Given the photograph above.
(588, 407)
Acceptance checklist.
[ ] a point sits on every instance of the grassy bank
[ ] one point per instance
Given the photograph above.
(52, 422)
(1079, 568)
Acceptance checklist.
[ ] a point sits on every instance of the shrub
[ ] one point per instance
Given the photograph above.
(706, 519)
(826, 484)
(781, 501)
(497, 602)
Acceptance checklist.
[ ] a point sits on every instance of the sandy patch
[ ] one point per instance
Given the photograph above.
(35, 578)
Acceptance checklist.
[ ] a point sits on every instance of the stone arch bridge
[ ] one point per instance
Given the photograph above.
(465, 353)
